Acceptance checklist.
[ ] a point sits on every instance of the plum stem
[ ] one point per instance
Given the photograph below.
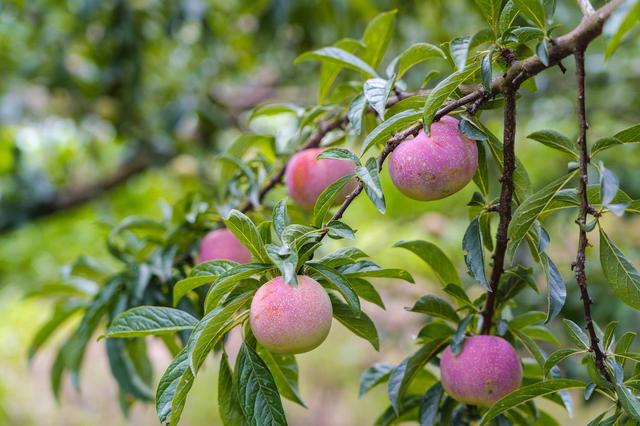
(504, 206)
(585, 208)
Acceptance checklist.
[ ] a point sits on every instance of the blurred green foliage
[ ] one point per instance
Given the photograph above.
(90, 86)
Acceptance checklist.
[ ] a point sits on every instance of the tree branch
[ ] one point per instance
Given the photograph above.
(583, 242)
(76, 196)
(504, 207)
(586, 7)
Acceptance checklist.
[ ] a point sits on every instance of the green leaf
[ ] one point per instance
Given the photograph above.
(470, 130)
(526, 394)
(624, 25)
(286, 259)
(339, 154)
(527, 319)
(225, 282)
(389, 127)
(628, 400)
(326, 198)
(458, 293)
(257, 390)
(366, 291)
(413, 55)
(243, 228)
(61, 314)
(459, 50)
(335, 55)
(404, 373)
(211, 328)
(284, 369)
(149, 320)
(542, 51)
(507, 16)
(370, 178)
(433, 256)
(609, 335)
(340, 283)
(184, 286)
(377, 36)
(604, 144)
(555, 140)
(355, 114)
(557, 357)
(430, 404)
(172, 389)
(485, 69)
(529, 211)
(280, 217)
(576, 334)
(381, 273)
(435, 330)
(339, 230)
(435, 307)
(474, 257)
(130, 366)
(622, 276)
(275, 109)
(377, 91)
(361, 325)
(376, 374)
(556, 289)
(630, 135)
(77, 342)
(330, 70)
(443, 90)
(228, 403)
(532, 9)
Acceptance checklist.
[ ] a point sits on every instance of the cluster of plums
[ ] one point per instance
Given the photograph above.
(291, 320)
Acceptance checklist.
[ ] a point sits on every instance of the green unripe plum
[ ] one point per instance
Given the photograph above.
(486, 369)
(291, 320)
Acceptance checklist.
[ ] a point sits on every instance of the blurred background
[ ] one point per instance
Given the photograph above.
(109, 109)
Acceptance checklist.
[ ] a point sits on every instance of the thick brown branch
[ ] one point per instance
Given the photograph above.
(504, 207)
(580, 263)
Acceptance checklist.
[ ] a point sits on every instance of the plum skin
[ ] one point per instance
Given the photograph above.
(431, 167)
(306, 177)
(222, 244)
(486, 369)
(291, 320)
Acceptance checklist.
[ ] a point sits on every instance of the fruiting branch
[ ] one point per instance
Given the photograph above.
(580, 262)
(520, 71)
(504, 207)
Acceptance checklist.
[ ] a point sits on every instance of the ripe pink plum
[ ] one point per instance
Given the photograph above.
(307, 177)
(222, 244)
(288, 319)
(433, 167)
(484, 371)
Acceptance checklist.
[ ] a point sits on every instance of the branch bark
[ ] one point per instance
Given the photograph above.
(504, 207)
(580, 262)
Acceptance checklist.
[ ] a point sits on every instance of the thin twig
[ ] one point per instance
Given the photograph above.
(504, 207)
(583, 242)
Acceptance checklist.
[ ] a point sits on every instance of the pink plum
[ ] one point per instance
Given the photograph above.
(288, 319)
(307, 177)
(222, 244)
(486, 369)
(433, 167)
